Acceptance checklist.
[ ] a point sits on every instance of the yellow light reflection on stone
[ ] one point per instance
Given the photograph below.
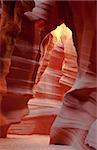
(61, 32)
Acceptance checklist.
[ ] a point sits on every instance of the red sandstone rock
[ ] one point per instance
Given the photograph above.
(79, 107)
(52, 63)
(77, 19)
(10, 26)
(50, 86)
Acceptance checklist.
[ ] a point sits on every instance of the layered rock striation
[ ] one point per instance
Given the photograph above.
(56, 75)
(10, 26)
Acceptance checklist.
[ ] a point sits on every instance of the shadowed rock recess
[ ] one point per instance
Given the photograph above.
(48, 80)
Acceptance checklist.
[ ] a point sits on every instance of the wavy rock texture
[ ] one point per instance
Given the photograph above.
(10, 26)
(50, 85)
(78, 111)
(22, 74)
(92, 135)
(73, 124)
(35, 142)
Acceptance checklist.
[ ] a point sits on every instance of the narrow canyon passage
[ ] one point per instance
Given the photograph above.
(55, 76)
(48, 75)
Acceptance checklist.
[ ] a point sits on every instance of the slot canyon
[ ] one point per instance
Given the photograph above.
(48, 79)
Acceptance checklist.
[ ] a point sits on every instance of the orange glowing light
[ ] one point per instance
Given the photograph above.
(61, 32)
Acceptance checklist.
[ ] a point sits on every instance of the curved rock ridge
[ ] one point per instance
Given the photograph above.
(78, 114)
(72, 110)
(50, 87)
(10, 27)
(58, 64)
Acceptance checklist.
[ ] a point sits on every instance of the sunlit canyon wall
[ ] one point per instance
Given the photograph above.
(56, 75)
(76, 121)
